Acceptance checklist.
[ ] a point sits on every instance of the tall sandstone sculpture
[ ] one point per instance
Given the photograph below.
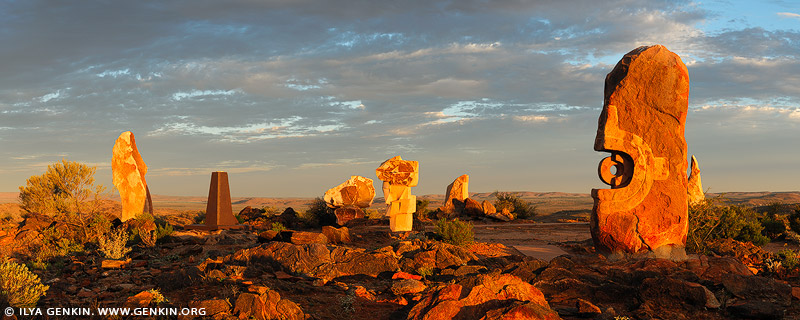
(398, 177)
(642, 126)
(219, 210)
(349, 198)
(128, 170)
(696, 194)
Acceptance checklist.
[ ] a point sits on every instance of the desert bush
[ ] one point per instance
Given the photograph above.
(422, 209)
(163, 230)
(158, 298)
(319, 214)
(277, 226)
(373, 214)
(270, 211)
(794, 220)
(114, 244)
(455, 232)
(790, 259)
(773, 227)
(711, 219)
(424, 272)
(66, 186)
(95, 227)
(520, 208)
(19, 287)
(53, 244)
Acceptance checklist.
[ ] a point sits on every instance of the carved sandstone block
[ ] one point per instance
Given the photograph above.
(642, 126)
(357, 191)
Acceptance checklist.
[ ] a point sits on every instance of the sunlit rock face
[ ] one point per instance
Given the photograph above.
(642, 126)
(128, 170)
(398, 177)
(696, 194)
(349, 198)
(458, 190)
(356, 191)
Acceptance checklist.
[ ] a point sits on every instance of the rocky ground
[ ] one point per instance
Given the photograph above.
(366, 272)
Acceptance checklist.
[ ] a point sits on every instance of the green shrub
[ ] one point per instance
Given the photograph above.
(65, 187)
(790, 259)
(113, 244)
(520, 208)
(422, 208)
(773, 227)
(794, 220)
(54, 244)
(710, 220)
(277, 226)
(163, 230)
(425, 272)
(19, 287)
(319, 214)
(455, 232)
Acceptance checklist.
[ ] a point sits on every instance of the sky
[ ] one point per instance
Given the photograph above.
(292, 97)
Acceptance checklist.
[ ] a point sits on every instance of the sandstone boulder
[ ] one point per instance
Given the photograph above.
(491, 297)
(268, 305)
(128, 169)
(642, 126)
(347, 213)
(357, 191)
(458, 190)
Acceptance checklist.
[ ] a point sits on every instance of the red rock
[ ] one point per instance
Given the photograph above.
(303, 237)
(140, 300)
(268, 305)
(129, 169)
(488, 207)
(473, 208)
(796, 293)
(404, 286)
(405, 275)
(212, 307)
(491, 297)
(363, 293)
(336, 235)
(642, 126)
(114, 264)
(587, 308)
(345, 214)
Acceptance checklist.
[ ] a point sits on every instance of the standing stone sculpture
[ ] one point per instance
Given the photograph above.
(219, 211)
(459, 191)
(696, 194)
(349, 198)
(398, 177)
(128, 169)
(642, 126)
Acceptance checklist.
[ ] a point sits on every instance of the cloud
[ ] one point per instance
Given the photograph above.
(789, 15)
(299, 84)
